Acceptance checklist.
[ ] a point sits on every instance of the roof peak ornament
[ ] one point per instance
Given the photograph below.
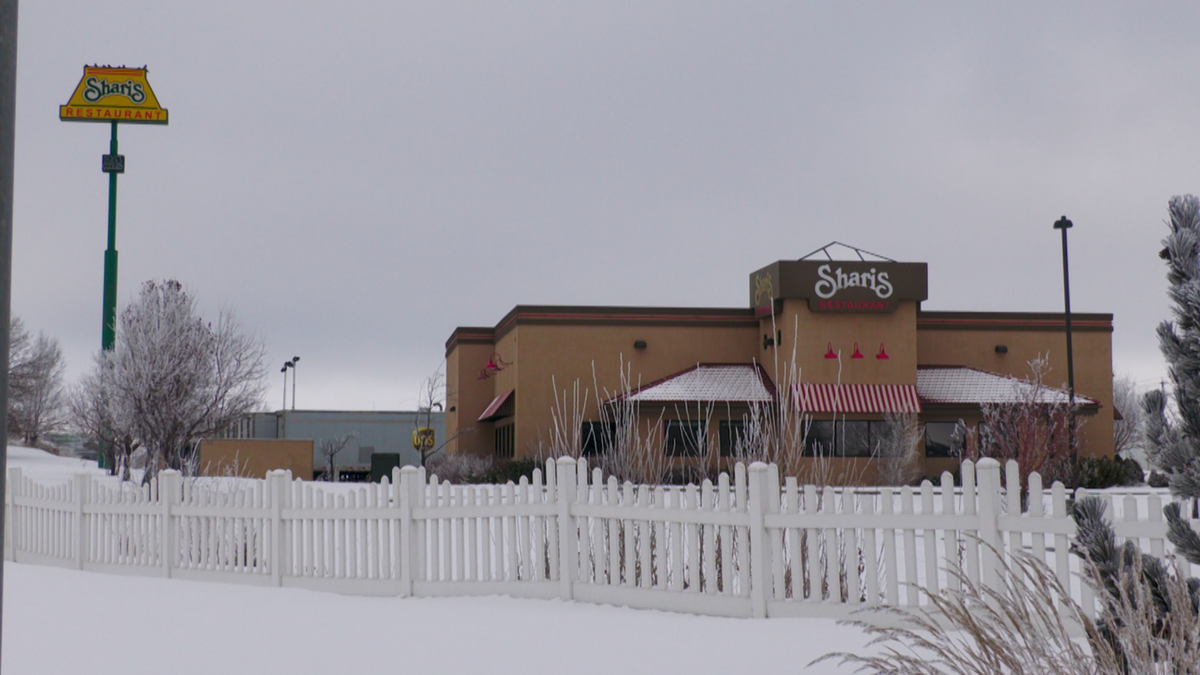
(861, 253)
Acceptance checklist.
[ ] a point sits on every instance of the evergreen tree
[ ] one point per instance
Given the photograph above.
(1173, 442)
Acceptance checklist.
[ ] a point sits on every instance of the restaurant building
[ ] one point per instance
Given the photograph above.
(843, 341)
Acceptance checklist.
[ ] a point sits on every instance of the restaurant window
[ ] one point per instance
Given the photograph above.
(730, 433)
(940, 440)
(596, 437)
(505, 441)
(854, 439)
(818, 441)
(684, 439)
(849, 438)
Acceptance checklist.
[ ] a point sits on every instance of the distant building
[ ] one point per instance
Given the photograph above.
(383, 431)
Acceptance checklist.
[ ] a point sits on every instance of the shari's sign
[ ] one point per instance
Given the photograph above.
(840, 286)
(107, 94)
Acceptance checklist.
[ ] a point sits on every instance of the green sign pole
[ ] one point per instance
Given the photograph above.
(108, 336)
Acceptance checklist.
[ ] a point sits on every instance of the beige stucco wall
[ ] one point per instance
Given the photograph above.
(253, 458)
(558, 356)
(1093, 366)
(808, 336)
(467, 397)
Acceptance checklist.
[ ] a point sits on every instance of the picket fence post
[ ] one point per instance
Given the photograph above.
(170, 483)
(277, 485)
(987, 472)
(11, 520)
(79, 488)
(407, 485)
(567, 537)
(760, 563)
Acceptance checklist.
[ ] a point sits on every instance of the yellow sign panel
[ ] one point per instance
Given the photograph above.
(113, 95)
(424, 438)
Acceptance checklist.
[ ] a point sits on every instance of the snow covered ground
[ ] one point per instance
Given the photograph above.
(63, 621)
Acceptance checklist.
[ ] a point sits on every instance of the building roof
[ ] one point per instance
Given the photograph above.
(745, 383)
(936, 386)
(959, 385)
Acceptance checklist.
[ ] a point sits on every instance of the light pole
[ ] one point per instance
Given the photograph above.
(1063, 224)
(293, 362)
(284, 369)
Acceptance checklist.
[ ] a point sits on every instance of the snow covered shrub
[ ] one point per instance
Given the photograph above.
(512, 470)
(462, 468)
(1097, 473)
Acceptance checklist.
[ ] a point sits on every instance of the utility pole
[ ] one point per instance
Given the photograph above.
(8, 133)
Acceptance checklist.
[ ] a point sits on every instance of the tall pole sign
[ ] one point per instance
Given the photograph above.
(113, 96)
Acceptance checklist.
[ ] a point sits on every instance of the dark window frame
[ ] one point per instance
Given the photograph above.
(726, 432)
(595, 438)
(674, 440)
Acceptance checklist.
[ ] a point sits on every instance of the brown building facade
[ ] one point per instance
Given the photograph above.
(846, 341)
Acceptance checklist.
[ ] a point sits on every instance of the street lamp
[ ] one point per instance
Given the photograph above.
(284, 369)
(292, 363)
(1063, 224)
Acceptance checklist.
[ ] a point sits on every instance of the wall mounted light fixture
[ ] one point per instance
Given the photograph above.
(829, 353)
(882, 353)
(857, 354)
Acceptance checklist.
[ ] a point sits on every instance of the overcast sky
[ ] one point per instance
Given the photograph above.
(356, 179)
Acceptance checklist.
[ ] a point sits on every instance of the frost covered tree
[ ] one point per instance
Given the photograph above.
(1127, 432)
(1133, 584)
(36, 395)
(173, 378)
(1173, 440)
(91, 413)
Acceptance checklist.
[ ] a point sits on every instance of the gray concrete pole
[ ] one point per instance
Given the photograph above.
(8, 120)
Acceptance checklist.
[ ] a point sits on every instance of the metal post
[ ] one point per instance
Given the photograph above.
(109, 331)
(294, 360)
(8, 118)
(284, 371)
(1063, 224)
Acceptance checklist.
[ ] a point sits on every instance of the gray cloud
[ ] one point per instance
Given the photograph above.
(357, 180)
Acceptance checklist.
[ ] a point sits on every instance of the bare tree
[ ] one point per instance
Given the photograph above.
(1033, 428)
(433, 395)
(898, 450)
(174, 378)
(36, 397)
(1127, 432)
(90, 407)
(329, 449)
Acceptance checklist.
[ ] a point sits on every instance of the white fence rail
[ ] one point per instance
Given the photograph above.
(746, 546)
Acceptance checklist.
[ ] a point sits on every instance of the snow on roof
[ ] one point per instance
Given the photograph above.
(708, 382)
(957, 385)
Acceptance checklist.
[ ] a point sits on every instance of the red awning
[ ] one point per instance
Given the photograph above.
(857, 398)
(494, 406)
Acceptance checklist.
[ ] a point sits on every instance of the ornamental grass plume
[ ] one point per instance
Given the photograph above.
(1024, 625)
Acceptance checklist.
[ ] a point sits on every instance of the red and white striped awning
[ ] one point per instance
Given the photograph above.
(857, 398)
(493, 410)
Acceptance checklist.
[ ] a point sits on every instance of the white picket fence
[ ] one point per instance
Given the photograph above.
(747, 546)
